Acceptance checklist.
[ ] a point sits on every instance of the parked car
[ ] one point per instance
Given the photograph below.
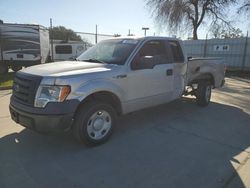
(114, 77)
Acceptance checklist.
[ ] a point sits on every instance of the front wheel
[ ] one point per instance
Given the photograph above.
(203, 93)
(94, 123)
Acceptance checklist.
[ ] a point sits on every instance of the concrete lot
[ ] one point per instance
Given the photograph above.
(173, 145)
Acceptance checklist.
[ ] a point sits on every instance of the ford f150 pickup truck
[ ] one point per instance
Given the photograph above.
(115, 77)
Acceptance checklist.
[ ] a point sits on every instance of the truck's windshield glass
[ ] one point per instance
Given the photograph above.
(110, 51)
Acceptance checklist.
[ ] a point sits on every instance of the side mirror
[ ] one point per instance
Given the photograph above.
(189, 58)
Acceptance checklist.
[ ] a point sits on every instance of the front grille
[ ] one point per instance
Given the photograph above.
(25, 87)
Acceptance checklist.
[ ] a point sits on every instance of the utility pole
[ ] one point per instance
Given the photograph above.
(145, 30)
(51, 40)
(96, 33)
(129, 33)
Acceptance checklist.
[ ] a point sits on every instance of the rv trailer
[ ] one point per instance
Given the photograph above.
(22, 45)
(68, 50)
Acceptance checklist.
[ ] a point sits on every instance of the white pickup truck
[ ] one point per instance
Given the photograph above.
(114, 77)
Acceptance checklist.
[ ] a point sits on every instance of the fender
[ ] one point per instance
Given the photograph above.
(204, 68)
(95, 86)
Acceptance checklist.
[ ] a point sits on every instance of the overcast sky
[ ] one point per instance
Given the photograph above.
(111, 16)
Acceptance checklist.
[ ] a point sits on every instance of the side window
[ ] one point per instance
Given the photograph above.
(152, 53)
(176, 51)
(63, 49)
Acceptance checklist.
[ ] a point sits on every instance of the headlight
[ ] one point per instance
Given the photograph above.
(47, 94)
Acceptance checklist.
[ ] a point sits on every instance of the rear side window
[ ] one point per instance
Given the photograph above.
(176, 51)
(63, 49)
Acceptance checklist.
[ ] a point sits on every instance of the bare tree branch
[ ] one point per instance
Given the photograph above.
(174, 13)
(245, 7)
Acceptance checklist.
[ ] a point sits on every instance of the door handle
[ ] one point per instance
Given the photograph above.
(169, 72)
(120, 76)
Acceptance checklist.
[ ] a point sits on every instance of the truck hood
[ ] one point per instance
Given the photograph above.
(67, 68)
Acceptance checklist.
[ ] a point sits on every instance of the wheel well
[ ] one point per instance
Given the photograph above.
(104, 96)
(207, 77)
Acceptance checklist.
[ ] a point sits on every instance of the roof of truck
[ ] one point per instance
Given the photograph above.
(147, 37)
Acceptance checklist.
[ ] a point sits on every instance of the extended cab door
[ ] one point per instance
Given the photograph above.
(150, 81)
(179, 68)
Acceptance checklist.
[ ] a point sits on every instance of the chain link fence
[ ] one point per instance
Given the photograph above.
(93, 38)
(235, 52)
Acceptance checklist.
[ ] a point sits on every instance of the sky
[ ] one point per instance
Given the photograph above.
(111, 16)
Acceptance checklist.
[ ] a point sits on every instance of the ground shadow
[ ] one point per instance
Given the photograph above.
(174, 145)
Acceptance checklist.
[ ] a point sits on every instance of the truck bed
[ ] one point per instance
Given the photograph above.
(200, 67)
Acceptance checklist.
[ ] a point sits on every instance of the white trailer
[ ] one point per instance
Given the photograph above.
(67, 50)
(22, 45)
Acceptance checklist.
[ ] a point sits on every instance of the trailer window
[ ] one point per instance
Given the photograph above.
(176, 51)
(63, 49)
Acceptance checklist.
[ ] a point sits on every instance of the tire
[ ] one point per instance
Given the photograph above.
(16, 68)
(3, 68)
(203, 93)
(94, 123)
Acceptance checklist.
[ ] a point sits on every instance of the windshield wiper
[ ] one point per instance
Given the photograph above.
(93, 60)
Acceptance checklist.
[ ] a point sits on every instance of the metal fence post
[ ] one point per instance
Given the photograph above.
(1, 41)
(96, 34)
(205, 48)
(244, 55)
(51, 40)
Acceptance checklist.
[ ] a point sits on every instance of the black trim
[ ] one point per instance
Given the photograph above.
(25, 87)
(54, 117)
(41, 123)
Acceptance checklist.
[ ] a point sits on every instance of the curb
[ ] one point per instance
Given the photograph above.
(5, 88)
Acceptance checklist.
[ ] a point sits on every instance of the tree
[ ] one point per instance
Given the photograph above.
(62, 33)
(245, 7)
(223, 31)
(190, 14)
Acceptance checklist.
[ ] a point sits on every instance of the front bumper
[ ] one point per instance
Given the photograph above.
(44, 120)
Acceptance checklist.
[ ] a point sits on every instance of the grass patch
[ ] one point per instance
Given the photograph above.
(6, 80)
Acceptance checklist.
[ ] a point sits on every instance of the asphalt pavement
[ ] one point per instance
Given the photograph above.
(173, 145)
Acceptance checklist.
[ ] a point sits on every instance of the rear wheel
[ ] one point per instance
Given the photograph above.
(94, 123)
(203, 93)
(3, 68)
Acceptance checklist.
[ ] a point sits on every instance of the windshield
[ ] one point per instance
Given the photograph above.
(114, 51)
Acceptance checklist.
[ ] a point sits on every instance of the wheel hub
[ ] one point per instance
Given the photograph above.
(98, 124)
